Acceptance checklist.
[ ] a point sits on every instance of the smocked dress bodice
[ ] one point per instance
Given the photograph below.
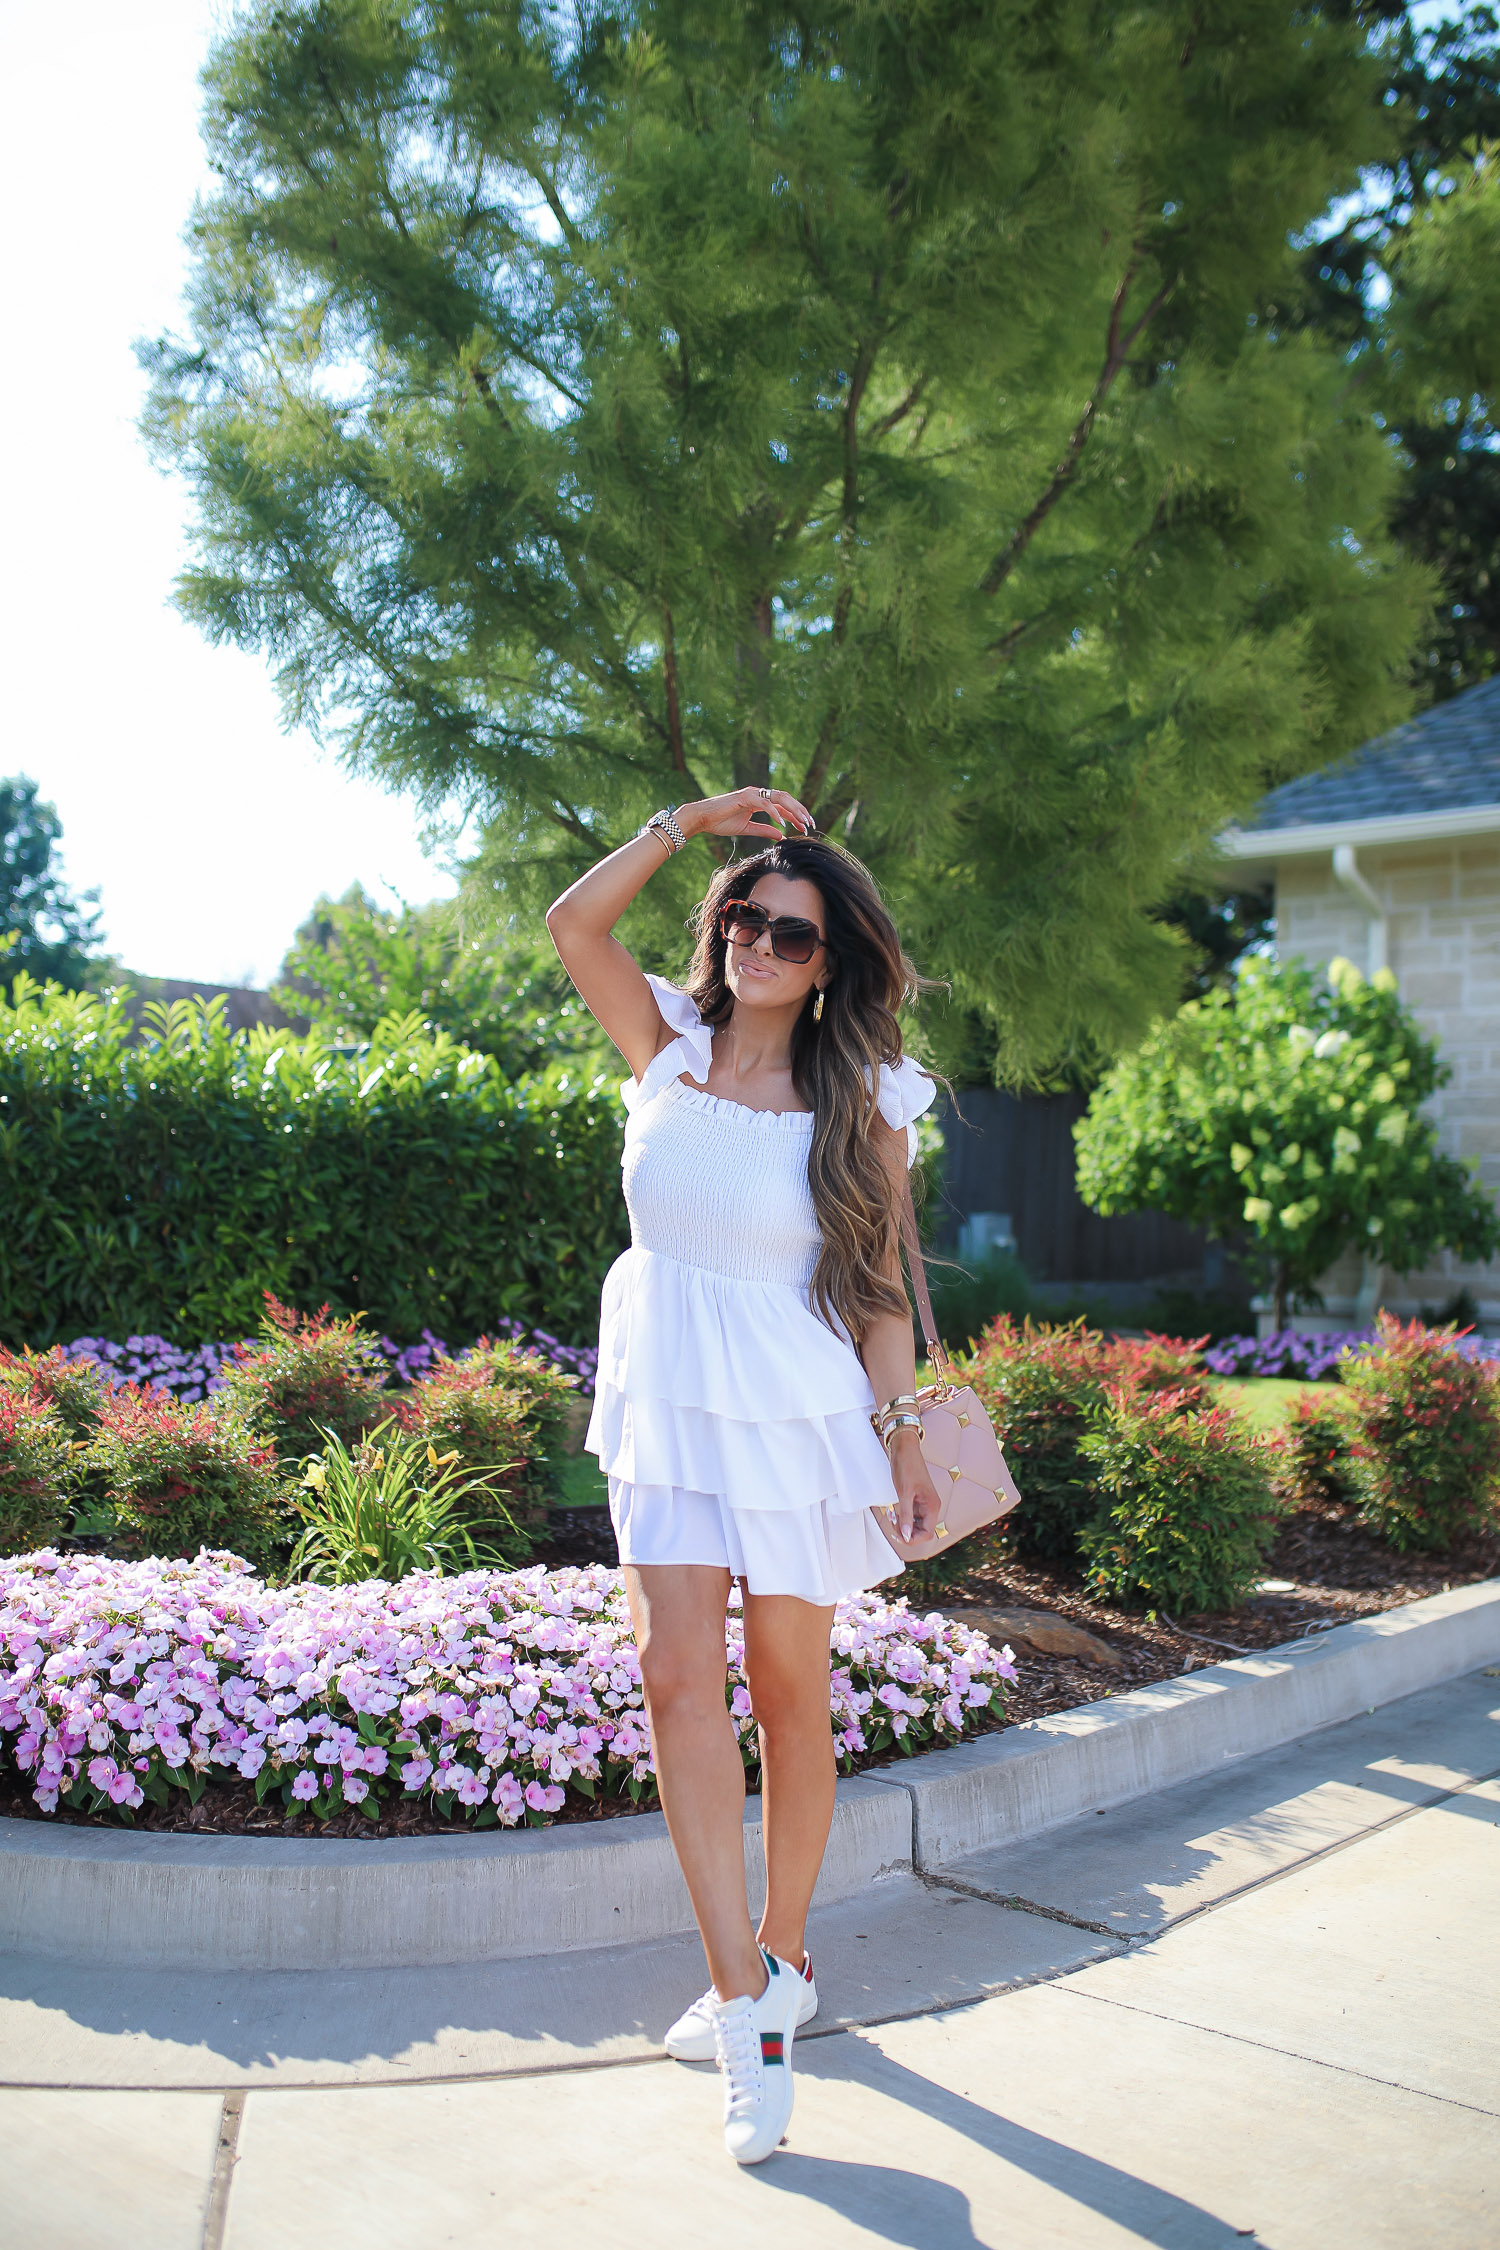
(714, 1185)
(728, 1413)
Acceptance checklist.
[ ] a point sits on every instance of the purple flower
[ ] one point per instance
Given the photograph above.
(534, 1670)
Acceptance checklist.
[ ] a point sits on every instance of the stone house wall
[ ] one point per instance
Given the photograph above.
(1442, 905)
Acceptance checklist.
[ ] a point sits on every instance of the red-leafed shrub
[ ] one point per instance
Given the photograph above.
(184, 1477)
(1313, 1452)
(1039, 1384)
(1043, 1385)
(307, 1374)
(74, 1388)
(1187, 1510)
(36, 1472)
(503, 1411)
(1159, 1363)
(1427, 1456)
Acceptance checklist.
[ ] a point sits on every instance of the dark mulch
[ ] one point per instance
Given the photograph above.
(1337, 1572)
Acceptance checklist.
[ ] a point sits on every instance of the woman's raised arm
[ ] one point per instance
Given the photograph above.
(581, 922)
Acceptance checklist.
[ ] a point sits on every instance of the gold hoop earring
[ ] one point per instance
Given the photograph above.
(818, 1009)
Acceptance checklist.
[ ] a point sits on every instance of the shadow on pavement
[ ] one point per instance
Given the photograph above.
(921, 2213)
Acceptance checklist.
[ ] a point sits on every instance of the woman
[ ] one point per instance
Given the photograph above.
(746, 1336)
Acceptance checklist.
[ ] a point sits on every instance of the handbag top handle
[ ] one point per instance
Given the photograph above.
(906, 1214)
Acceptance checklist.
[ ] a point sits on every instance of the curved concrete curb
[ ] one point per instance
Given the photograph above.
(106, 1897)
(248, 1902)
(1005, 1786)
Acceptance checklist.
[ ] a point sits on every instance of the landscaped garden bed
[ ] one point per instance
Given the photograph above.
(370, 1683)
(138, 1690)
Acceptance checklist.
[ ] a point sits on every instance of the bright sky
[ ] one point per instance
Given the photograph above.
(207, 829)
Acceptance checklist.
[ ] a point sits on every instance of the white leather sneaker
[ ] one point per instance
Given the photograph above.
(754, 2041)
(691, 2038)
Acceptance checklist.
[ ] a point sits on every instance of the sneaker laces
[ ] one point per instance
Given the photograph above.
(737, 2038)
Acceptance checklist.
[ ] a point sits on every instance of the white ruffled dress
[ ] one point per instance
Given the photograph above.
(731, 1420)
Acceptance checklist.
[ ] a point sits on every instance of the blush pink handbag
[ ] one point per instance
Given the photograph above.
(959, 1445)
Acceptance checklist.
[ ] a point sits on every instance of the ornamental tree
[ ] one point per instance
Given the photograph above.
(1288, 1111)
(587, 408)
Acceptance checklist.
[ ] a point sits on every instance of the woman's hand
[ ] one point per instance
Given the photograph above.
(917, 1503)
(746, 812)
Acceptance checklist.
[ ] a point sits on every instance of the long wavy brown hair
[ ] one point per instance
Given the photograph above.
(835, 1063)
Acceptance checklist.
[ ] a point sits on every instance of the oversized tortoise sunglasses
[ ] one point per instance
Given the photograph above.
(792, 938)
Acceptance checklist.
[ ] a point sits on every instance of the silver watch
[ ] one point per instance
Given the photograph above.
(664, 825)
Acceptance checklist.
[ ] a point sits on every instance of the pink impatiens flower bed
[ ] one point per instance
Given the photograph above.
(494, 1695)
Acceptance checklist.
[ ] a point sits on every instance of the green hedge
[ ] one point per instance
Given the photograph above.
(164, 1183)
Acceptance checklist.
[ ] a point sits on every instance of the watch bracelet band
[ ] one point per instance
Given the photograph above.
(664, 826)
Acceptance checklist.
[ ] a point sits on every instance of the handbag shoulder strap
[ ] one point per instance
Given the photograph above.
(907, 1218)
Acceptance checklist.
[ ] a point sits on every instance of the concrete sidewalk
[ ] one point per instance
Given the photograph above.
(1260, 2005)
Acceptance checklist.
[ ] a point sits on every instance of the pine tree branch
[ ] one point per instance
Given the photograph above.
(898, 414)
(817, 766)
(817, 770)
(674, 709)
(557, 207)
(1118, 346)
(752, 759)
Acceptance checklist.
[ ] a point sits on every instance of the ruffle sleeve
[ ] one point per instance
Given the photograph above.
(689, 1051)
(905, 1092)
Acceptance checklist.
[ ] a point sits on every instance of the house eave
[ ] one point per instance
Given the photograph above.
(1307, 842)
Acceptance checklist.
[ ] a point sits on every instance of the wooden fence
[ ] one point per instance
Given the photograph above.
(1014, 1153)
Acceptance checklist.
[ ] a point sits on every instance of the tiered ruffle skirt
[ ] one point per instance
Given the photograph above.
(733, 1427)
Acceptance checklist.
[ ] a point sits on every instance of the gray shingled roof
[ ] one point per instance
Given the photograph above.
(1444, 760)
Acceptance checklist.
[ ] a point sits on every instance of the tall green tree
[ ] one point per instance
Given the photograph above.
(46, 927)
(354, 963)
(1405, 278)
(589, 407)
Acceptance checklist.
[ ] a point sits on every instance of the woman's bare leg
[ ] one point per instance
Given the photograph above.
(786, 1658)
(677, 1610)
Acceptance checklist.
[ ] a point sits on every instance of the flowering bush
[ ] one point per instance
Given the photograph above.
(191, 1375)
(35, 1470)
(1320, 1357)
(491, 1697)
(306, 1375)
(1427, 1460)
(411, 1361)
(179, 1476)
(1287, 1109)
(501, 1411)
(188, 1375)
(1188, 1511)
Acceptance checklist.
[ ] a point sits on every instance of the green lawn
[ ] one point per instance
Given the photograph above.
(1263, 1402)
(580, 1482)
